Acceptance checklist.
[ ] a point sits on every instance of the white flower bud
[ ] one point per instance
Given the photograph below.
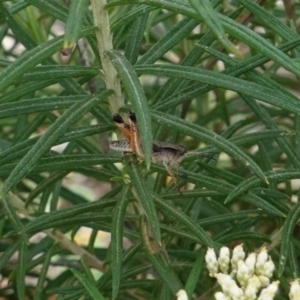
(261, 259)
(242, 273)
(236, 292)
(262, 256)
(268, 269)
(250, 262)
(265, 281)
(225, 281)
(269, 292)
(251, 289)
(221, 296)
(229, 286)
(254, 280)
(224, 259)
(237, 254)
(211, 262)
(182, 295)
(295, 290)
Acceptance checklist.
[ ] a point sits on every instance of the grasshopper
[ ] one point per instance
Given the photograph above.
(169, 155)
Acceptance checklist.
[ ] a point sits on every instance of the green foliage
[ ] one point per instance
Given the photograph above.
(219, 77)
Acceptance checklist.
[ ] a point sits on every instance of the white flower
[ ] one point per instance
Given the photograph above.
(268, 269)
(265, 281)
(221, 296)
(224, 259)
(269, 292)
(211, 262)
(237, 254)
(182, 295)
(229, 286)
(243, 274)
(252, 288)
(295, 290)
(261, 259)
(250, 262)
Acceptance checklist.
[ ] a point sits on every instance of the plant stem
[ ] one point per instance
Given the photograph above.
(104, 41)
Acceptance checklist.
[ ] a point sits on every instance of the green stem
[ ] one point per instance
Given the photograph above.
(104, 41)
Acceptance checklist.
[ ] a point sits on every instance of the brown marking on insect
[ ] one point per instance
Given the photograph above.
(169, 155)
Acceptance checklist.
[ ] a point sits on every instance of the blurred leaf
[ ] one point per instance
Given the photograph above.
(47, 140)
(74, 22)
(31, 58)
(206, 12)
(21, 269)
(89, 286)
(142, 193)
(223, 81)
(287, 233)
(117, 241)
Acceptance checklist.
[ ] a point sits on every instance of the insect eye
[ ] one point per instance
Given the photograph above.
(132, 117)
(117, 118)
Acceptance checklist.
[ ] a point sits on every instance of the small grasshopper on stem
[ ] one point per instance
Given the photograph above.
(169, 155)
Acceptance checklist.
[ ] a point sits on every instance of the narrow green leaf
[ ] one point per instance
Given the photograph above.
(223, 187)
(77, 10)
(135, 37)
(176, 34)
(31, 58)
(67, 162)
(6, 255)
(252, 75)
(37, 105)
(13, 218)
(89, 286)
(20, 91)
(221, 80)
(39, 290)
(261, 44)
(287, 233)
(55, 131)
(128, 254)
(56, 72)
(137, 98)
(250, 183)
(231, 27)
(21, 270)
(206, 12)
(144, 196)
(53, 7)
(293, 259)
(196, 271)
(270, 20)
(131, 15)
(233, 217)
(23, 37)
(66, 213)
(44, 185)
(23, 147)
(85, 219)
(195, 90)
(117, 240)
(245, 236)
(173, 85)
(186, 220)
(165, 293)
(157, 256)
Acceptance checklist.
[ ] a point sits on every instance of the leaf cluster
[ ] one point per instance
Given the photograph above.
(219, 77)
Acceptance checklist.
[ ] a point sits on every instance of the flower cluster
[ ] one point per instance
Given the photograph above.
(243, 278)
(249, 278)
